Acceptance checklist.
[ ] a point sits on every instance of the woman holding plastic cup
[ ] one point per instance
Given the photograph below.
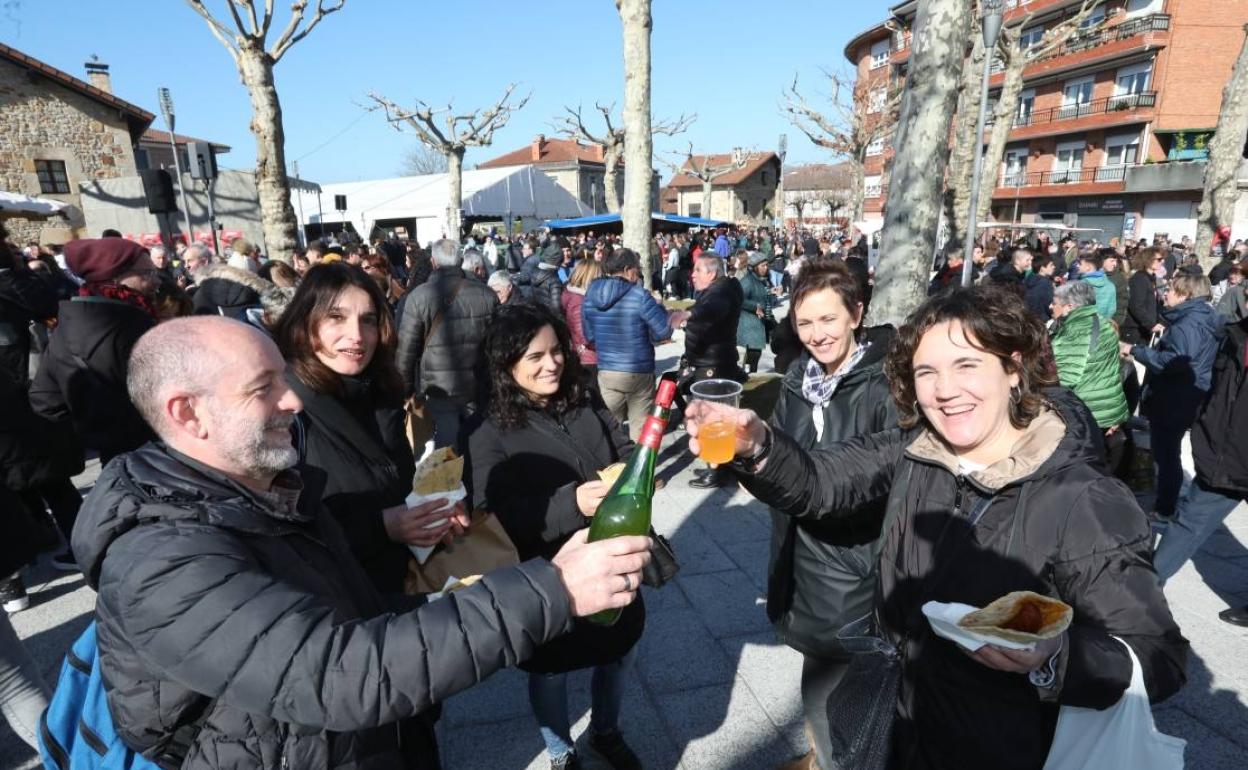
(338, 338)
(994, 484)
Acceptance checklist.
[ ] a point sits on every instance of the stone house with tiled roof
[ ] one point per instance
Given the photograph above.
(817, 194)
(58, 132)
(745, 194)
(577, 168)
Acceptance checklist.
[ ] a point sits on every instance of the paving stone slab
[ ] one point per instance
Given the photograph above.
(724, 728)
(729, 603)
(678, 653)
(773, 673)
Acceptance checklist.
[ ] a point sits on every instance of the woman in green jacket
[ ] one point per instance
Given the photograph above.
(1085, 348)
(755, 310)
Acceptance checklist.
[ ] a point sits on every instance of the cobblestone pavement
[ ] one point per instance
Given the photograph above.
(711, 688)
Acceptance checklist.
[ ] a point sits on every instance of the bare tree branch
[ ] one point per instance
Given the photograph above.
(672, 127)
(292, 34)
(238, 20)
(456, 133)
(250, 5)
(423, 159)
(219, 30)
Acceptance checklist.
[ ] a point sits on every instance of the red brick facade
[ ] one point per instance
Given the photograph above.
(1143, 86)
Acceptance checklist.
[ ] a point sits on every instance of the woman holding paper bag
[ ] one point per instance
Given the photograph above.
(534, 459)
(338, 338)
(995, 484)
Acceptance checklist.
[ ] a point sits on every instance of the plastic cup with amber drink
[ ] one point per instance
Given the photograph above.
(717, 438)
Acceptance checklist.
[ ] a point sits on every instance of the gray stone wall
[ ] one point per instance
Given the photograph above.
(119, 203)
(42, 120)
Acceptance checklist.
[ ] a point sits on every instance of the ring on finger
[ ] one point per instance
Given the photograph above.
(628, 583)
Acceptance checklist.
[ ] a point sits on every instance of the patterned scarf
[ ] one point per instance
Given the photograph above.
(818, 387)
(116, 291)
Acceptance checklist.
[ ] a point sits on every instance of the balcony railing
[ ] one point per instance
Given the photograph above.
(1095, 107)
(1099, 36)
(1075, 176)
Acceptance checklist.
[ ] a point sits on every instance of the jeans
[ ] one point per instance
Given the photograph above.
(23, 695)
(820, 677)
(1200, 512)
(548, 695)
(777, 278)
(1166, 442)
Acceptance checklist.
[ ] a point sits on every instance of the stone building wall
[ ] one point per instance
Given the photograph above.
(42, 120)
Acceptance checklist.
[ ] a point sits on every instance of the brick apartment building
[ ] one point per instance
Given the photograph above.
(1111, 129)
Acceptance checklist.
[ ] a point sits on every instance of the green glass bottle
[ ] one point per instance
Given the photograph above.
(626, 508)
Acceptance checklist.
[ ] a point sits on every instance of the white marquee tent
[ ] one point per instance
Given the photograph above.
(518, 192)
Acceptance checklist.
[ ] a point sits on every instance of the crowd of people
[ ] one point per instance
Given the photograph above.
(249, 535)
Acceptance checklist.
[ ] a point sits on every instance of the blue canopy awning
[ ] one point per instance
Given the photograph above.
(608, 220)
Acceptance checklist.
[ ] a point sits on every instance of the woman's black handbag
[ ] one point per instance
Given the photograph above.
(862, 707)
(663, 565)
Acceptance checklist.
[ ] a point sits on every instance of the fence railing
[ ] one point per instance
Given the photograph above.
(1101, 35)
(1121, 103)
(1073, 176)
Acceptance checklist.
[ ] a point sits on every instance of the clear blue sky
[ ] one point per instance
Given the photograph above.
(726, 60)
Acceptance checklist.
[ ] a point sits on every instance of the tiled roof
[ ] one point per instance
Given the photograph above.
(817, 176)
(138, 117)
(755, 162)
(548, 151)
(162, 137)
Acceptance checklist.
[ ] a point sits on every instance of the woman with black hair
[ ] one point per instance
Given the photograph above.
(534, 458)
(338, 338)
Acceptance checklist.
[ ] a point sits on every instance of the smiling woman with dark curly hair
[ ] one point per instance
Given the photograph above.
(533, 462)
(994, 484)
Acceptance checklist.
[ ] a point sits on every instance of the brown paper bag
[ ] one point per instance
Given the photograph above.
(484, 547)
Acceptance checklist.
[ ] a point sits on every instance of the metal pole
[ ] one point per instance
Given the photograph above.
(299, 187)
(991, 29)
(972, 224)
(320, 212)
(166, 104)
(212, 217)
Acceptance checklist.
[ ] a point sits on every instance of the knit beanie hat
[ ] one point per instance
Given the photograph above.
(97, 260)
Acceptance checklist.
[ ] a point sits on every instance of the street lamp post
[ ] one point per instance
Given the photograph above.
(992, 13)
(166, 107)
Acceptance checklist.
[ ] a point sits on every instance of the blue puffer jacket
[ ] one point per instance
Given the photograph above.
(1180, 368)
(623, 323)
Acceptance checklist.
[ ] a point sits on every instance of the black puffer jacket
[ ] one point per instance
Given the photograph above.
(544, 288)
(711, 331)
(1219, 449)
(24, 297)
(444, 365)
(822, 572)
(83, 374)
(33, 449)
(212, 597)
(1049, 522)
(527, 476)
(358, 442)
(228, 291)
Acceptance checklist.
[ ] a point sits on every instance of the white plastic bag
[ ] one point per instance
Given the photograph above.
(1122, 737)
(422, 552)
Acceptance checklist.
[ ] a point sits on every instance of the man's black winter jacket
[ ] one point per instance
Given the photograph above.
(214, 597)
